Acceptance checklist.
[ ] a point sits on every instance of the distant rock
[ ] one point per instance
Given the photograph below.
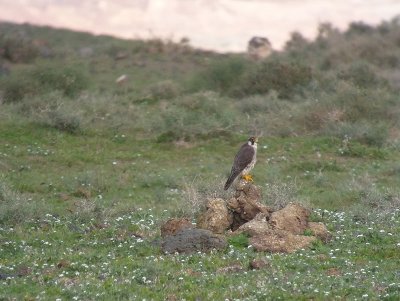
(193, 240)
(174, 225)
(259, 48)
(217, 218)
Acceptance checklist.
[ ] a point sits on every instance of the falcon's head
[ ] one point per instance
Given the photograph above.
(253, 140)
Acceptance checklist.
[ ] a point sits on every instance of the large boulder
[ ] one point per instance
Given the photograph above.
(292, 218)
(217, 218)
(174, 225)
(192, 240)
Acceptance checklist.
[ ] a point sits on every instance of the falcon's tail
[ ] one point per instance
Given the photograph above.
(231, 178)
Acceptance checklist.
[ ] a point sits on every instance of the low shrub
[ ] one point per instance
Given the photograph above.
(16, 208)
(70, 79)
(284, 77)
(260, 104)
(221, 76)
(164, 90)
(373, 202)
(17, 48)
(16, 87)
(279, 194)
(53, 110)
(360, 131)
(196, 115)
(41, 79)
(64, 121)
(362, 75)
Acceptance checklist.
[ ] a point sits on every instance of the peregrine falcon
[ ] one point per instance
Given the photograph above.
(244, 162)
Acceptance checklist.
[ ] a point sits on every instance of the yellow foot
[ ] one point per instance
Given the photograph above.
(247, 178)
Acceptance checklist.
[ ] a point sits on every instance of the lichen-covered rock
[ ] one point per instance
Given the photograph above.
(319, 230)
(292, 218)
(280, 241)
(217, 218)
(192, 240)
(174, 225)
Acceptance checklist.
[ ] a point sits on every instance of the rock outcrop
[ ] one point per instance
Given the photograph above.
(282, 231)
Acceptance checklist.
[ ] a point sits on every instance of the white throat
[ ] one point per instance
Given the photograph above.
(252, 145)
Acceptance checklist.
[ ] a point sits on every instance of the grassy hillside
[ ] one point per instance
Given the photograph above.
(90, 167)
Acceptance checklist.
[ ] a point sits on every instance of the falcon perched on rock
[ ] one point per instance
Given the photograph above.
(244, 162)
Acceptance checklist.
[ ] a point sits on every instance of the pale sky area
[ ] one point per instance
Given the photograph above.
(222, 25)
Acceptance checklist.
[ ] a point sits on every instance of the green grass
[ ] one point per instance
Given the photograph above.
(103, 191)
(90, 169)
(123, 170)
(56, 257)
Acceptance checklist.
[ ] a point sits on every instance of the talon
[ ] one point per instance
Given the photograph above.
(247, 178)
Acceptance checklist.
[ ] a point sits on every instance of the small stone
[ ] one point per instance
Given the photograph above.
(258, 264)
(319, 230)
(63, 264)
(333, 272)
